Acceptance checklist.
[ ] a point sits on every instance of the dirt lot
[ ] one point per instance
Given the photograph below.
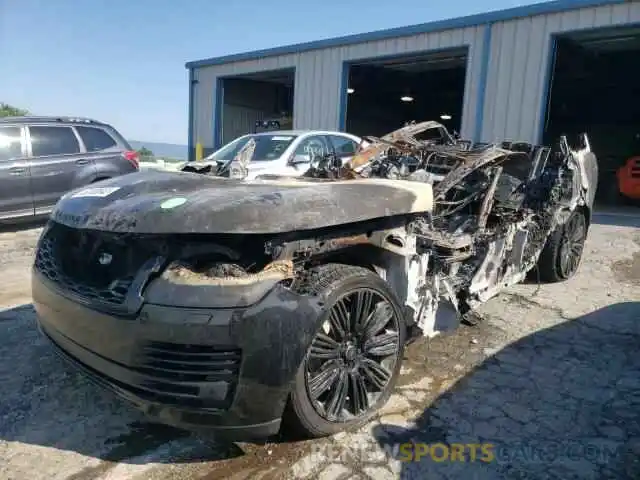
(551, 379)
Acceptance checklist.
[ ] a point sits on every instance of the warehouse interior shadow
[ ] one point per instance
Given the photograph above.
(593, 88)
(385, 93)
(573, 387)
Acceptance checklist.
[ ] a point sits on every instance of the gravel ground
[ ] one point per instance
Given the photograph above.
(551, 379)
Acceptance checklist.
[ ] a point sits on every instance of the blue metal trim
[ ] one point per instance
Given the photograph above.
(482, 81)
(461, 22)
(344, 97)
(191, 120)
(217, 113)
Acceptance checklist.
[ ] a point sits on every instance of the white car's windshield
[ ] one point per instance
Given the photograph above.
(268, 147)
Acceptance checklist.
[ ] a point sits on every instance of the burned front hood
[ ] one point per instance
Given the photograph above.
(157, 202)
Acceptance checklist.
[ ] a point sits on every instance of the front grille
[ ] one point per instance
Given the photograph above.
(189, 377)
(180, 374)
(157, 390)
(189, 363)
(70, 258)
(48, 264)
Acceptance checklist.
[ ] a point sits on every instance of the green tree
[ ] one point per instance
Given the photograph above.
(7, 110)
(145, 152)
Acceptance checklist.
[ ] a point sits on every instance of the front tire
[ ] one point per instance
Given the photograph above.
(355, 357)
(561, 256)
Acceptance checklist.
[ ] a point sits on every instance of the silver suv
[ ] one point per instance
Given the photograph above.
(42, 158)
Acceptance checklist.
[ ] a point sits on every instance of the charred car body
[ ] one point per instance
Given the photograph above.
(225, 304)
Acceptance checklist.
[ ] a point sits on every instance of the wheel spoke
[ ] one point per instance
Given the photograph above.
(574, 260)
(359, 396)
(565, 261)
(375, 373)
(576, 249)
(324, 347)
(338, 395)
(338, 325)
(360, 308)
(578, 234)
(378, 319)
(382, 345)
(342, 315)
(323, 381)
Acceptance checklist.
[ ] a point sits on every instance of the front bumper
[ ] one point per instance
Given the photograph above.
(229, 370)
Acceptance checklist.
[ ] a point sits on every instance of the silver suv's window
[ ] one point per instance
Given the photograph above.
(53, 141)
(10, 146)
(95, 139)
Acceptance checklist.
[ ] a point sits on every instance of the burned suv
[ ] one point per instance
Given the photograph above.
(234, 304)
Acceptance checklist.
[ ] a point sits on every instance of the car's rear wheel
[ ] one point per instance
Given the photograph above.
(354, 360)
(562, 254)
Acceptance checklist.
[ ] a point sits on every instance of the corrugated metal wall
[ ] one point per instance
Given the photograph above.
(318, 78)
(244, 103)
(517, 77)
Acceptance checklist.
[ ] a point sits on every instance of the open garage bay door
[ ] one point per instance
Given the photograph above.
(595, 88)
(252, 98)
(384, 94)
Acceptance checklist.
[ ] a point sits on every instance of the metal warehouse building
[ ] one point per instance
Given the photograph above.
(526, 73)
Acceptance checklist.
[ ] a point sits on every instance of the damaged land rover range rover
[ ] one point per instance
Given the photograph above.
(237, 305)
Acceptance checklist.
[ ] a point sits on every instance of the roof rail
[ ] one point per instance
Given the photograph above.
(54, 118)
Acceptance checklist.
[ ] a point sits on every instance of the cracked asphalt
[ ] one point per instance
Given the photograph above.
(549, 383)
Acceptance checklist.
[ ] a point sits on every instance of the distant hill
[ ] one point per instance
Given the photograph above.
(168, 150)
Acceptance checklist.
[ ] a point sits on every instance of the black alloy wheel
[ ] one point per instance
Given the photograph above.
(353, 359)
(572, 245)
(353, 356)
(563, 249)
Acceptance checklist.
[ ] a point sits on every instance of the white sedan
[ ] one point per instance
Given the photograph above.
(284, 152)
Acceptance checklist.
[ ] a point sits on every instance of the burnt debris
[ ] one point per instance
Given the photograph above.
(495, 205)
(479, 222)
